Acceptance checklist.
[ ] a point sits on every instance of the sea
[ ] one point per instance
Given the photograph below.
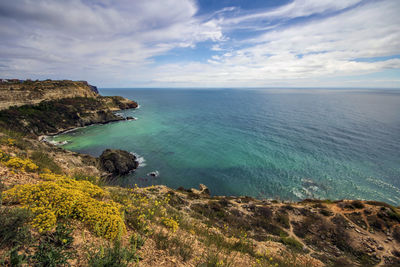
(285, 144)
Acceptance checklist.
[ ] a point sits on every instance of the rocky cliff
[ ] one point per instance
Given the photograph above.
(49, 107)
(33, 92)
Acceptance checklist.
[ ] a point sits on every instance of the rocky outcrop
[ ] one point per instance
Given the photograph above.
(34, 92)
(203, 190)
(52, 117)
(118, 162)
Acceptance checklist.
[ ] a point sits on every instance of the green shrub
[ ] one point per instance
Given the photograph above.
(14, 231)
(292, 243)
(45, 162)
(396, 233)
(81, 176)
(357, 204)
(54, 249)
(394, 215)
(325, 212)
(283, 219)
(113, 256)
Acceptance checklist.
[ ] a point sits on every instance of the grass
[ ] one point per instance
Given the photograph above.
(292, 243)
(82, 176)
(54, 248)
(14, 230)
(114, 255)
(45, 162)
(175, 245)
(283, 220)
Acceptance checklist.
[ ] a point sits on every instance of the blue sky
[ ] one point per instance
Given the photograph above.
(204, 43)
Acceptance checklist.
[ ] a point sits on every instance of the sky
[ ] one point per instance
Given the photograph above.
(203, 43)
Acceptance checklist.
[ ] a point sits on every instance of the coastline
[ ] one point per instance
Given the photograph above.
(245, 229)
(71, 129)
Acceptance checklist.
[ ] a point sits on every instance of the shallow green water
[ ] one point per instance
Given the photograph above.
(286, 144)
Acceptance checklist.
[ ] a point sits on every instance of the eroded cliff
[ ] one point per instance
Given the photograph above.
(18, 93)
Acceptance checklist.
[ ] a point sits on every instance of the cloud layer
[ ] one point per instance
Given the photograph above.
(119, 43)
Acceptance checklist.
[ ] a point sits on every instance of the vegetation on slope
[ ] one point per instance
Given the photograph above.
(56, 211)
(57, 115)
(55, 219)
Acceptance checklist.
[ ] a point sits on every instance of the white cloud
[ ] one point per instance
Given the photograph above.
(313, 50)
(113, 43)
(296, 8)
(78, 37)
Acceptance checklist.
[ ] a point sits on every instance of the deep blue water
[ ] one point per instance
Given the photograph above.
(282, 143)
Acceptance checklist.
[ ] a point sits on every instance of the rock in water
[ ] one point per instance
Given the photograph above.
(203, 190)
(118, 162)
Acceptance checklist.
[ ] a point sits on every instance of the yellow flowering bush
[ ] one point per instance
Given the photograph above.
(3, 156)
(62, 197)
(66, 182)
(11, 141)
(21, 164)
(170, 223)
(140, 208)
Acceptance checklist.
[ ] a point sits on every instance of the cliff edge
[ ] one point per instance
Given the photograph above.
(19, 93)
(50, 107)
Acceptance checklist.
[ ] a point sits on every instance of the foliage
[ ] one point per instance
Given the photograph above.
(54, 248)
(81, 176)
(43, 161)
(140, 210)
(357, 204)
(12, 138)
(170, 223)
(4, 156)
(283, 219)
(17, 163)
(113, 256)
(49, 116)
(62, 197)
(14, 231)
(396, 233)
(292, 243)
(175, 245)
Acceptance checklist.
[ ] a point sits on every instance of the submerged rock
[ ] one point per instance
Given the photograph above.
(118, 162)
(153, 174)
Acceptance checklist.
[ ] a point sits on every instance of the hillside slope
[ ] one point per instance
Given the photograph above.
(32, 92)
(56, 210)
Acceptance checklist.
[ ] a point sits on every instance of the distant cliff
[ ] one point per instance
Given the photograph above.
(49, 107)
(18, 93)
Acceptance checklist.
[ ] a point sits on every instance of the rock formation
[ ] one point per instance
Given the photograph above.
(34, 92)
(118, 162)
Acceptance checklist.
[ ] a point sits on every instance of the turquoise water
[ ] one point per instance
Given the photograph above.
(287, 143)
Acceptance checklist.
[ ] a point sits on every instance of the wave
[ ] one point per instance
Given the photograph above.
(56, 143)
(139, 159)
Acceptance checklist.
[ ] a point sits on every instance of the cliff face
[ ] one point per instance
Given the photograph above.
(49, 107)
(33, 92)
(55, 116)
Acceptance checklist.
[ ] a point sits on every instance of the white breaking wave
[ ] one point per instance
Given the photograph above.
(139, 159)
(56, 143)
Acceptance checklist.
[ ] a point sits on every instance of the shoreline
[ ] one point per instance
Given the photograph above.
(63, 131)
